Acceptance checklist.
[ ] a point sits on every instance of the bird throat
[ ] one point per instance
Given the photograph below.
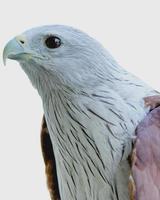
(80, 167)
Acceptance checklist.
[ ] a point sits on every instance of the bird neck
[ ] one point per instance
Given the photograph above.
(80, 156)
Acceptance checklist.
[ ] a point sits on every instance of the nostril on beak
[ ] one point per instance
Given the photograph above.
(22, 41)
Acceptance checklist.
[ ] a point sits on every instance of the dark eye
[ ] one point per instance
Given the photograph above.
(52, 42)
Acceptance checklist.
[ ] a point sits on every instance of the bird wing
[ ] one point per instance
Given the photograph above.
(146, 157)
(50, 163)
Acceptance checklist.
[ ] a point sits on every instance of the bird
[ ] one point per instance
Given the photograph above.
(92, 107)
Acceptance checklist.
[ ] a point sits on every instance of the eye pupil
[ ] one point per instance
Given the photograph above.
(52, 42)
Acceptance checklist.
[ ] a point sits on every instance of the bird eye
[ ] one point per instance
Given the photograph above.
(53, 42)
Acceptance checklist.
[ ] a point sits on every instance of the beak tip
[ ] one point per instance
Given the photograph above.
(8, 50)
(4, 63)
(4, 58)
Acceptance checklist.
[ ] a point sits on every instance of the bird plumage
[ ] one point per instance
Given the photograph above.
(92, 107)
(50, 163)
(146, 156)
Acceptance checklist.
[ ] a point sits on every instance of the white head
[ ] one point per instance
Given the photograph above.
(59, 56)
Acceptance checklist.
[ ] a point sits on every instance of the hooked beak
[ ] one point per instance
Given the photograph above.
(16, 49)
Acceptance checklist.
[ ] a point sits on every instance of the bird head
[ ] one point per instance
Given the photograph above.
(59, 56)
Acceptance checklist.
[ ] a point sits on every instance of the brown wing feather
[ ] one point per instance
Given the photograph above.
(50, 163)
(146, 158)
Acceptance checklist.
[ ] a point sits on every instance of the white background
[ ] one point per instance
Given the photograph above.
(129, 29)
